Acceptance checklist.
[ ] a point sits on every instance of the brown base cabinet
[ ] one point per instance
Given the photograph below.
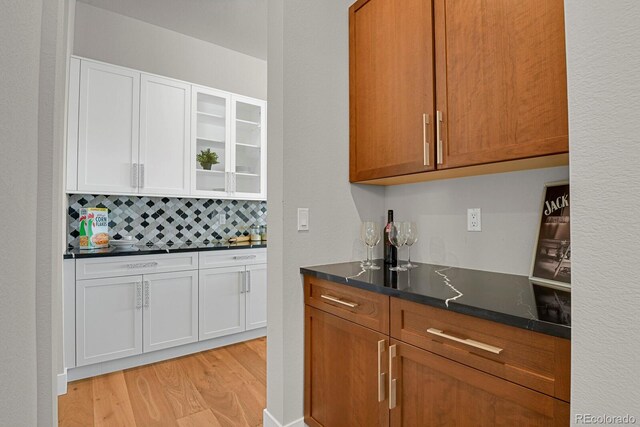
(359, 376)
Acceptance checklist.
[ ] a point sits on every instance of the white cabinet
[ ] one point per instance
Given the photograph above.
(130, 132)
(108, 129)
(249, 157)
(222, 302)
(211, 130)
(232, 300)
(170, 307)
(164, 152)
(256, 296)
(108, 319)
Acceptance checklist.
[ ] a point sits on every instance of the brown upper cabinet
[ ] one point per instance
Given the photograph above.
(442, 84)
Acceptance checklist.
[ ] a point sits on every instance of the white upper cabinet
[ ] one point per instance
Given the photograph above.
(133, 133)
(108, 129)
(211, 130)
(164, 152)
(248, 133)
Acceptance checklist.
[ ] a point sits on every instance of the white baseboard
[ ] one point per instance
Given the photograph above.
(62, 383)
(268, 420)
(101, 368)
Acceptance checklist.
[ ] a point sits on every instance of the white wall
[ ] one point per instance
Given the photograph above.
(603, 44)
(19, 61)
(117, 39)
(510, 204)
(32, 63)
(308, 164)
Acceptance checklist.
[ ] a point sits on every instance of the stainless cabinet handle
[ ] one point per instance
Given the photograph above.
(425, 138)
(392, 382)
(339, 301)
(439, 136)
(244, 257)
(248, 280)
(147, 292)
(134, 175)
(141, 175)
(138, 295)
(143, 264)
(381, 375)
(471, 343)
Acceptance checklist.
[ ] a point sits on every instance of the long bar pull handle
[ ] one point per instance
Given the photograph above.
(138, 295)
(147, 291)
(471, 343)
(392, 381)
(248, 280)
(425, 138)
(439, 136)
(339, 301)
(134, 175)
(381, 375)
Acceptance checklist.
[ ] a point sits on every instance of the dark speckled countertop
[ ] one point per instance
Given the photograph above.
(504, 298)
(159, 249)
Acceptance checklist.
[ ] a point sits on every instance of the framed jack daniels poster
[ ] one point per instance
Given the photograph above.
(551, 263)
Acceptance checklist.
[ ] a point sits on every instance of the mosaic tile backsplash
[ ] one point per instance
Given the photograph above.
(166, 220)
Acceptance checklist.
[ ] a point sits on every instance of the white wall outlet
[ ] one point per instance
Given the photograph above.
(303, 219)
(222, 218)
(474, 219)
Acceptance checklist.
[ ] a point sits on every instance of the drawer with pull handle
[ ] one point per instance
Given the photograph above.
(363, 307)
(232, 257)
(534, 360)
(95, 268)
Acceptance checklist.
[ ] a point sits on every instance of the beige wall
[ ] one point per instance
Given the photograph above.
(603, 44)
(120, 40)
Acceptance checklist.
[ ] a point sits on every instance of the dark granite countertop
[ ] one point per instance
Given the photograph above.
(504, 298)
(159, 249)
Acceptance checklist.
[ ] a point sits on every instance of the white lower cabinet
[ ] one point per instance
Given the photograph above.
(170, 310)
(232, 300)
(256, 296)
(146, 308)
(108, 319)
(222, 303)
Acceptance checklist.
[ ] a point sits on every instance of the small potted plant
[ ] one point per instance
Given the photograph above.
(207, 158)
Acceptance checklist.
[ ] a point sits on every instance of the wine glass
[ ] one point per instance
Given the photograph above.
(411, 231)
(370, 235)
(397, 237)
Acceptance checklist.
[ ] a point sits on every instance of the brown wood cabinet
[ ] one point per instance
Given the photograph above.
(391, 88)
(360, 371)
(499, 72)
(434, 391)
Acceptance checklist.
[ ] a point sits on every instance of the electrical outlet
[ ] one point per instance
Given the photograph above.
(222, 218)
(474, 219)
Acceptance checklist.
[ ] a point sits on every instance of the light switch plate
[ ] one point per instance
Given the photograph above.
(474, 219)
(303, 219)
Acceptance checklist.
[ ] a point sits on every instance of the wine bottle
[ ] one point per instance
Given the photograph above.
(390, 251)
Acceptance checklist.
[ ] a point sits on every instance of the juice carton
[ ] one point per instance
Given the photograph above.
(94, 228)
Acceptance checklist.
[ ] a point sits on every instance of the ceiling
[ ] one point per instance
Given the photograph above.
(240, 25)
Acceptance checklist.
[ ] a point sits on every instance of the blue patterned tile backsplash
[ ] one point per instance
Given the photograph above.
(167, 220)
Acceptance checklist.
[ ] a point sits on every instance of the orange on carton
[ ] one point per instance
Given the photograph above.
(94, 228)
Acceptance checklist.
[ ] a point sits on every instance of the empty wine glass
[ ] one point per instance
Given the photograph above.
(410, 229)
(397, 237)
(370, 235)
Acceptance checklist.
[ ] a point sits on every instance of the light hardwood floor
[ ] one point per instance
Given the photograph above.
(221, 387)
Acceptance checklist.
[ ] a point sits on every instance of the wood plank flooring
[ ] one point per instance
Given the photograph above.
(220, 388)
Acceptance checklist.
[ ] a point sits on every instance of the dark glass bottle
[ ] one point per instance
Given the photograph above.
(390, 251)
